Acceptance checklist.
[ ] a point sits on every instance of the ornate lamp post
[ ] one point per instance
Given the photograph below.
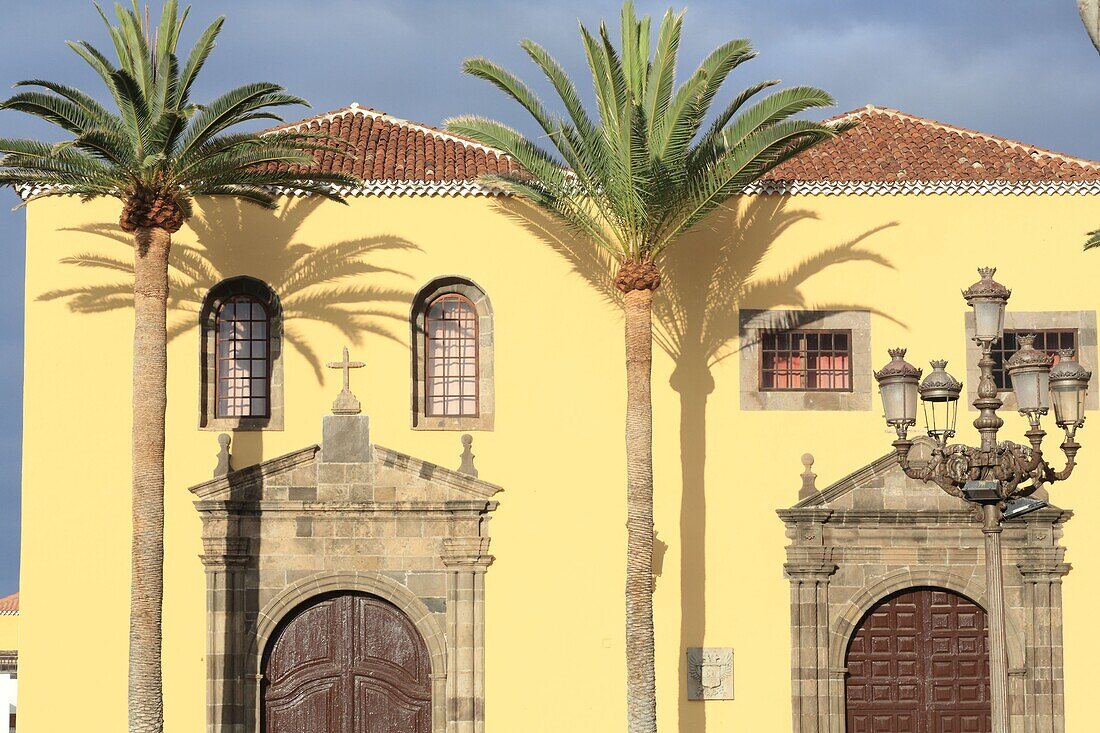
(998, 477)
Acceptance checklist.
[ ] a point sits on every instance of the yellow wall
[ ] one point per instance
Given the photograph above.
(555, 608)
(9, 633)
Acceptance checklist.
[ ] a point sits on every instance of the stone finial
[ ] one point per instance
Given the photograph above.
(467, 466)
(809, 478)
(346, 403)
(225, 460)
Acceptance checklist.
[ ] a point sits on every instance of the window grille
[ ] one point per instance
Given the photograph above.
(243, 358)
(806, 361)
(451, 348)
(1049, 341)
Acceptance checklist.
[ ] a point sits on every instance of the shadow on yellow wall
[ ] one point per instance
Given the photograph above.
(707, 278)
(320, 283)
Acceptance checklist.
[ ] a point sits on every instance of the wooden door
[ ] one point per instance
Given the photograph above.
(918, 663)
(349, 663)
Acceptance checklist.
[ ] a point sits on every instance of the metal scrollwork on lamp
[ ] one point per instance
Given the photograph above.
(998, 476)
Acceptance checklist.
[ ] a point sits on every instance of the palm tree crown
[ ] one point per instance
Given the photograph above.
(645, 170)
(158, 149)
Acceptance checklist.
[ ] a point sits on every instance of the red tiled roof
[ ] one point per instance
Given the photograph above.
(10, 604)
(388, 148)
(888, 152)
(890, 146)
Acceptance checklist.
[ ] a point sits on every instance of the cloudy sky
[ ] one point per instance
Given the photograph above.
(1020, 68)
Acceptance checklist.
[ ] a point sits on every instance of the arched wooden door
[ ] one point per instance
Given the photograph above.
(349, 663)
(918, 663)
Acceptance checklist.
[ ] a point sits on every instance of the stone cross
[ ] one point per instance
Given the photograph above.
(346, 402)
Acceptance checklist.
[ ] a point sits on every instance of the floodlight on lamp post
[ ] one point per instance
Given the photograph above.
(999, 477)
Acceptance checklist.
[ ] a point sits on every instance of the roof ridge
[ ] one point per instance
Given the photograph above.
(869, 109)
(358, 109)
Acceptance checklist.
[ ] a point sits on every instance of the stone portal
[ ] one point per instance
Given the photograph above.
(876, 533)
(345, 517)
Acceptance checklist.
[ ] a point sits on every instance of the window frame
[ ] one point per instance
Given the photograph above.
(429, 379)
(435, 288)
(1082, 321)
(763, 333)
(209, 388)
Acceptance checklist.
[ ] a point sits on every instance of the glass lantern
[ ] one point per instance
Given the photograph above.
(897, 383)
(1029, 369)
(939, 393)
(1069, 384)
(988, 298)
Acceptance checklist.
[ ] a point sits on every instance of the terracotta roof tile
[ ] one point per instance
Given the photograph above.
(388, 148)
(9, 605)
(890, 146)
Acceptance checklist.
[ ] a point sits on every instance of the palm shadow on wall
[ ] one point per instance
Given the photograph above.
(707, 278)
(324, 284)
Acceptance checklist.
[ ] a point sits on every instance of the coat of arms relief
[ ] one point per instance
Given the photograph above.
(710, 673)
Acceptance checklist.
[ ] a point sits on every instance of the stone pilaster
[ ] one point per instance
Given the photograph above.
(809, 568)
(466, 559)
(1042, 568)
(224, 559)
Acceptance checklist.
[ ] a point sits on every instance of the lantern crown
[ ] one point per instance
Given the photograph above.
(898, 367)
(1068, 368)
(1028, 355)
(987, 287)
(939, 385)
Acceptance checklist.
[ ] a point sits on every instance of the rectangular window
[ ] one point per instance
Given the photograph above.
(806, 361)
(1049, 341)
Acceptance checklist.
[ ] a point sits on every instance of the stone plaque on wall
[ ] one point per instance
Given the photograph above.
(710, 673)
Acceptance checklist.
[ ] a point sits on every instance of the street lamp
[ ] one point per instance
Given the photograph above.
(997, 476)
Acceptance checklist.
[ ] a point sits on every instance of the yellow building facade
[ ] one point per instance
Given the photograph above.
(890, 252)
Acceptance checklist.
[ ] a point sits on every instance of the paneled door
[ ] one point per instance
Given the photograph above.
(918, 663)
(349, 663)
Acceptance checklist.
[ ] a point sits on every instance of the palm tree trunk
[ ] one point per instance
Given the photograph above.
(641, 696)
(146, 706)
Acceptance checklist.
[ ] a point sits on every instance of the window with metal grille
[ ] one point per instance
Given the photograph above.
(243, 358)
(806, 361)
(1049, 340)
(451, 367)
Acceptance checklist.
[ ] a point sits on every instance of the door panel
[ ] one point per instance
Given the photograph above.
(348, 663)
(918, 663)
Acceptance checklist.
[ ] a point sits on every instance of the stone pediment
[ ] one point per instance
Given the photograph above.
(881, 486)
(880, 492)
(359, 472)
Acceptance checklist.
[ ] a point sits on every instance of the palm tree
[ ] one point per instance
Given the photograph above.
(155, 151)
(631, 181)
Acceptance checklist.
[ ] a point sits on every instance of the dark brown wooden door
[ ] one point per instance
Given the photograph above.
(347, 664)
(918, 663)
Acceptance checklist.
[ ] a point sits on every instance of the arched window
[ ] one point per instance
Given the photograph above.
(244, 363)
(451, 351)
(242, 375)
(452, 347)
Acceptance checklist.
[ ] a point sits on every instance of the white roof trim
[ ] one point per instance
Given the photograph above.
(902, 188)
(466, 188)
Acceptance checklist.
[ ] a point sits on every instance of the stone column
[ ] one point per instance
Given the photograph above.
(466, 559)
(224, 559)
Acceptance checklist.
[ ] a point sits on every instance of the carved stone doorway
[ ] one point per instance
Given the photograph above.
(347, 663)
(918, 663)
